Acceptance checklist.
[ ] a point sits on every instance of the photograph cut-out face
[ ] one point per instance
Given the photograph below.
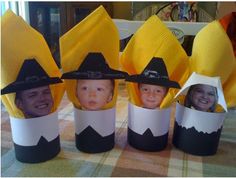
(151, 96)
(202, 97)
(35, 102)
(95, 83)
(153, 83)
(94, 94)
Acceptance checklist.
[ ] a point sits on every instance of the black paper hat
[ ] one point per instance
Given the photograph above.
(31, 75)
(94, 66)
(155, 73)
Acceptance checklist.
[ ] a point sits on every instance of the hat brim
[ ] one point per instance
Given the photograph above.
(153, 81)
(19, 86)
(111, 74)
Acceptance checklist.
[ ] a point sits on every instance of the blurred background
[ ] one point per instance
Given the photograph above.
(53, 19)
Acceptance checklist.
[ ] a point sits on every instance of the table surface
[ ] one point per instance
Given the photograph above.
(122, 160)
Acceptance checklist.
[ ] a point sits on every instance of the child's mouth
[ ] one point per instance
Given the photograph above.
(92, 103)
(150, 101)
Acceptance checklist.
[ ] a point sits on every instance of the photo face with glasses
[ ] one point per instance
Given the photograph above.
(202, 97)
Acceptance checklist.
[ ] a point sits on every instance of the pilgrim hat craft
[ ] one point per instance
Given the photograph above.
(199, 119)
(151, 83)
(90, 73)
(31, 91)
(94, 67)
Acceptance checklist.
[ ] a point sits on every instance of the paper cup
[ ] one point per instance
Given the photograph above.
(197, 132)
(148, 128)
(95, 130)
(36, 139)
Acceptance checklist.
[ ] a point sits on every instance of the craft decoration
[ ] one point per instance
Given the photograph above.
(155, 73)
(148, 129)
(148, 60)
(95, 130)
(212, 63)
(36, 139)
(90, 63)
(154, 39)
(31, 75)
(198, 132)
(27, 66)
(94, 67)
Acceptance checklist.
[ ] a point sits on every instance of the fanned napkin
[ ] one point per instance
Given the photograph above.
(213, 56)
(154, 39)
(20, 42)
(95, 34)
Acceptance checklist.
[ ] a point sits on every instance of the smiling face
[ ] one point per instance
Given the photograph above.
(151, 95)
(35, 102)
(94, 94)
(203, 97)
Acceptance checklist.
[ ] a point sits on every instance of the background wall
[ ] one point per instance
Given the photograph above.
(127, 10)
(122, 10)
(225, 8)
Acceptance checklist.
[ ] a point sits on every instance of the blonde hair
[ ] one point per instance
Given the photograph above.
(189, 98)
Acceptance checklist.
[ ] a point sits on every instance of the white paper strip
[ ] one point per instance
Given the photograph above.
(27, 132)
(157, 120)
(202, 79)
(205, 122)
(102, 121)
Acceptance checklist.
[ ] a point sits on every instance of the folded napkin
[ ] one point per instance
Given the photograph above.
(96, 35)
(213, 56)
(154, 39)
(21, 42)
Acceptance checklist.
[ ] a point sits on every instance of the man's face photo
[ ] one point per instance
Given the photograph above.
(35, 102)
(94, 94)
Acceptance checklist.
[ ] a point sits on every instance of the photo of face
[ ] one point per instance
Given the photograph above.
(94, 94)
(152, 95)
(202, 97)
(35, 102)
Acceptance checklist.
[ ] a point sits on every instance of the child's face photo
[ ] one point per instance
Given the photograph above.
(94, 94)
(35, 102)
(152, 95)
(203, 97)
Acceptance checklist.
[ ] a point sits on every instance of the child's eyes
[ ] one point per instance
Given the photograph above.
(100, 89)
(144, 89)
(84, 88)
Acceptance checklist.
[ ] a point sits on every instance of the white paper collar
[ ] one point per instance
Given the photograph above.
(157, 120)
(102, 121)
(27, 132)
(206, 122)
